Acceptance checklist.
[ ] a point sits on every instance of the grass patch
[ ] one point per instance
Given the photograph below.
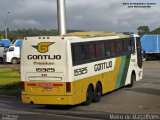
(10, 81)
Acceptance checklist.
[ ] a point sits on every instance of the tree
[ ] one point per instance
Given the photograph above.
(1, 37)
(156, 31)
(143, 30)
(24, 32)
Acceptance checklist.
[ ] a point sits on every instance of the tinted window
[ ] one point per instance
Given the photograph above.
(74, 52)
(119, 47)
(126, 45)
(129, 45)
(80, 52)
(84, 52)
(112, 48)
(108, 48)
(100, 50)
(92, 51)
(11, 49)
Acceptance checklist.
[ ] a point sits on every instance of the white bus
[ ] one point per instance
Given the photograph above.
(70, 70)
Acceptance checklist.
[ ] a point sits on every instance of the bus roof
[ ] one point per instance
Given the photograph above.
(91, 34)
(85, 35)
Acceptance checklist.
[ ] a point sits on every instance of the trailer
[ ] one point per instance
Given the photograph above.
(151, 46)
(4, 43)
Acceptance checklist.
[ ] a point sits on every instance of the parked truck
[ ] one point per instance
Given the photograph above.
(4, 43)
(151, 46)
(12, 54)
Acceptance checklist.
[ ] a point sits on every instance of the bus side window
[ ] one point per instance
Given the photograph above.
(108, 48)
(75, 57)
(112, 48)
(119, 46)
(100, 50)
(92, 51)
(129, 46)
(86, 52)
(81, 52)
(126, 45)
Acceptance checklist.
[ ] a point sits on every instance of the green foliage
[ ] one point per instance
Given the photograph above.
(143, 30)
(156, 31)
(21, 33)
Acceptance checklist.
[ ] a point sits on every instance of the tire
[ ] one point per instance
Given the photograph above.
(133, 78)
(14, 61)
(89, 96)
(1, 60)
(97, 93)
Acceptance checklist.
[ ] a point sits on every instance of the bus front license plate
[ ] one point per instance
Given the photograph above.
(47, 89)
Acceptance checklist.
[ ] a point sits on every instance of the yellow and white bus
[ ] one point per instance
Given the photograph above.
(74, 69)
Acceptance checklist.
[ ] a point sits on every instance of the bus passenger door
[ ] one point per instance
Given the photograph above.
(139, 52)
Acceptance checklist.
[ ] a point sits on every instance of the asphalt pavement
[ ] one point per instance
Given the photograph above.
(142, 99)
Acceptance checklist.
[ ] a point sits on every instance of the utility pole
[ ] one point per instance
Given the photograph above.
(5, 25)
(61, 15)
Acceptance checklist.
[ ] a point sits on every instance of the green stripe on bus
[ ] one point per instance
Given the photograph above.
(119, 77)
(125, 71)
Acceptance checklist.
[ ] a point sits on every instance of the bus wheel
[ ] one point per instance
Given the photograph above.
(14, 61)
(97, 93)
(133, 78)
(89, 96)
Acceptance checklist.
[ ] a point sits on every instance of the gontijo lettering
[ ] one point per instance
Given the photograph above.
(44, 57)
(102, 66)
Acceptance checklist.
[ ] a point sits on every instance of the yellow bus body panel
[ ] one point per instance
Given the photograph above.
(59, 96)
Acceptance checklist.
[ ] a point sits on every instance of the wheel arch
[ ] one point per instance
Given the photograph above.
(15, 58)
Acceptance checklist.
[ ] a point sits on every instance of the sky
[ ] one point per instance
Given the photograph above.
(89, 15)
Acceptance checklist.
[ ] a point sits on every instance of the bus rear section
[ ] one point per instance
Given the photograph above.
(43, 71)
